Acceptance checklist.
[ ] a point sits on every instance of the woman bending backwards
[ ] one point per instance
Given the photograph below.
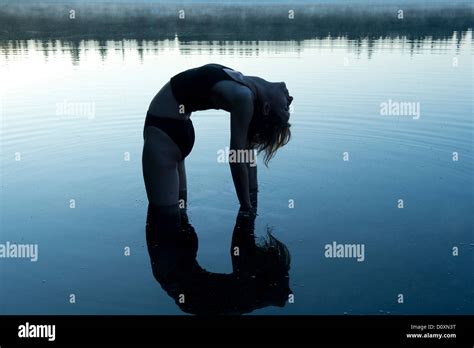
(259, 115)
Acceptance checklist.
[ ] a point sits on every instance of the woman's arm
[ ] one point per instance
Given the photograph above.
(240, 117)
(253, 183)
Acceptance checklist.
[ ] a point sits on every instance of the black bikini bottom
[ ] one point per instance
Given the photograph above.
(181, 131)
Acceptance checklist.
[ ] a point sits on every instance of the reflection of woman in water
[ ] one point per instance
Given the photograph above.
(259, 115)
(260, 271)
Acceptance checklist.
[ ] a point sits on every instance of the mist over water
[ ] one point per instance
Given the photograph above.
(73, 100)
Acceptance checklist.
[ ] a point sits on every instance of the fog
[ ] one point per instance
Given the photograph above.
(230, 21)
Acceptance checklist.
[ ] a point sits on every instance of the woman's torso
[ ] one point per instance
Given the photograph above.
(192, 90)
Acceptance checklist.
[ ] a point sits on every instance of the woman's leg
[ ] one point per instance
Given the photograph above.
(160, 167)
(183, 192)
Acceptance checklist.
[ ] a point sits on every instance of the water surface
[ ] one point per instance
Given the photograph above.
(93, 156)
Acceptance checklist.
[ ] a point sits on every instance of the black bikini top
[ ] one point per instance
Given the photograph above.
(192, 88)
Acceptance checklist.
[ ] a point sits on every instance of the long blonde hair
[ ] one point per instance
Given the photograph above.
(267, 133)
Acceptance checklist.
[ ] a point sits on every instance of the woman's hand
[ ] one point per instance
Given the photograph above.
(247, 212)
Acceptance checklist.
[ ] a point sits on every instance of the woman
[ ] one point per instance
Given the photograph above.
(259, 120)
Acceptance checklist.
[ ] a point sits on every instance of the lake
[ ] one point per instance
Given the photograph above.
(380, 157)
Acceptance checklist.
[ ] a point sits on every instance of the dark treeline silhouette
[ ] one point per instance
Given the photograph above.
(77, 47)
(215, 22)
